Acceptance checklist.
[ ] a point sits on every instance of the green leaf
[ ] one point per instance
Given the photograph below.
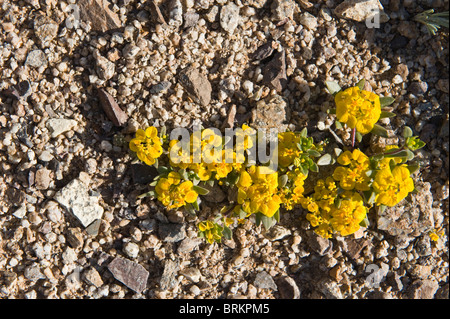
(195, 205)
(358, 136)
(184, 174)
(163, 170)
(299, 146)
(369, 196)
(337, 151)
(156, 164)
(407, 132)
(381, 209)
(304, 132)
(200, 190)
(277, 216)
(413, 168)
(325, 160)
(227, 233)
(331, 111)
(401, 154)
(242, 214)
(364, 223)
(332, 87)
(313, 167)
(386, 100)
(337, 202)
(361, 84)
(409, 155)
(154, 183)
(189, 209)
(314, 153)
(258, 219)
(148, 194)
(385, 114)
(338, 125)
(282, 180)
(267, 221)
(380, 131)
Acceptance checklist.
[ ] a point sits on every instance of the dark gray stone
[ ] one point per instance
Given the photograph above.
(265, 281)
(171, 233)
(131, 274)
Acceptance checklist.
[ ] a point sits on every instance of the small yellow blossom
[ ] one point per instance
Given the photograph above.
(147, 145)
(174, 194)
(353, 173)
(358, 109)
(392, 186)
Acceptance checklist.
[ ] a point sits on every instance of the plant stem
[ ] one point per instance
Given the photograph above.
(353, 137)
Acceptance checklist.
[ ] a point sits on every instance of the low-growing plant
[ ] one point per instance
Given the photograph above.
(259, 190)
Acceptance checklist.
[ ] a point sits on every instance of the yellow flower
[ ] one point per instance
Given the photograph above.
(287, 148)
(355, 174)
(358, 109)
(172, 194)
(147, 145)
(392, 186)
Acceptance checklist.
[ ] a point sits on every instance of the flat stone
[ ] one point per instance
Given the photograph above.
(36, 59)
(74, 237)
(156, 14)
(45, 30)
(308, 20)
(277, 232)
(171, 233)
(272, 112)
(360, 10)
(353, 247)
(413, 216)
(282, 9)
(74, 197)
(262, 52)
(229, 17)
(196, 85)
(188, 244)
(319, 244)
(274, 72)
(288, 288)
(33, 272)
(192, 274)
(42, 178)
(99, 15)
(160, 87)
(329, 288)
(112, 109)
(422, 289)
(168, 279)
(93, 228)
(190, 19)
(131, 274)
(265, 281)
(105, 69)
(60, 126)
(92, 277)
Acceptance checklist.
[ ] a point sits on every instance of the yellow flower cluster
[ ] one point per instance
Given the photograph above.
(173, 193)
(147, 145)
(287, 148)
(358, 109)
(330, 214)
(391, 186)
(353, 174)
(213, 161)
(292, 195)
(258, 191)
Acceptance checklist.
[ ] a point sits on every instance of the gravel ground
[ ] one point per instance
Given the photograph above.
(70, 223)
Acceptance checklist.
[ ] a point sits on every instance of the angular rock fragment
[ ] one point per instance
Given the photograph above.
(360, 10)
(99, 14)
(112, 109)
(168, 278)
(229, 17)
(265, 281)
(74, 197)
(36, 59)
(262, 52)
(45, 30)
(156, 13)
(131, 274)
(196, 84)
(288, 288)
(274, 72)
(105, 69)
(59, 126)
